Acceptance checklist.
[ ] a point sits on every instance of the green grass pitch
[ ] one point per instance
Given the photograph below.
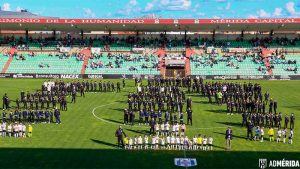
(85, 141)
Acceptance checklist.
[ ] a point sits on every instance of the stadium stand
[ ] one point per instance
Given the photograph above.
(227, 65)
(199, 61)
(45, 64)
(3, 61)
(287, 65)
(122, 64)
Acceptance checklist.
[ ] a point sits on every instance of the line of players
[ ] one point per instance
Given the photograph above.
(267, 120)
(102, 86)
(54, 93)
(169, 142)
(239, 98)
(152, 117)
(15, 130)
(281, 133)
(32, 116)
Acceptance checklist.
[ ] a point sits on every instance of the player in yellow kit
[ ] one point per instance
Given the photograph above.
(29, 131)
(271, 134)
(126, 141)
(199, 141)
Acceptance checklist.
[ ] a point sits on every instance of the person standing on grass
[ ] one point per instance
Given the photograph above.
(292, 121)
(189, 116)
(57, 116)
(73, 96)
(262, 133)
(82, 91)
(119, 134)
(189, 103)
(152, 125)
(286, 121)
(219, 96)
(124, 83)
(29, 131)
(250, 130)
(228, 137)
(271, 134)
(5, 102)
(118, 87)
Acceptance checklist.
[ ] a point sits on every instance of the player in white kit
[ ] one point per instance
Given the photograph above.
(204, 143)
(162, 128)
(195, 146)
(278, 135)
(210, 143)
(130, 143)
(146, 142)
(140, 142)
(167, 128)
(168, 142)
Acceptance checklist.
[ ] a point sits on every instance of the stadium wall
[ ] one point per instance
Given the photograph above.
(118, 76)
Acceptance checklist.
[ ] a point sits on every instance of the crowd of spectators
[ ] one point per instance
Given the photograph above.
(138, 41)
(231, 59)
(119, 60)
(279, 58)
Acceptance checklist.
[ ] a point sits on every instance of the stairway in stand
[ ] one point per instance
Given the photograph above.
(87, 53)
(265, 53)
(161, 53)
(11, 51)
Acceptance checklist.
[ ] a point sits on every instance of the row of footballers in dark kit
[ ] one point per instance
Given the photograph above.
(42, 105)
(248, 100)
(32, 116)
(162, 98)
(87, 86)
(54, 93)
(161, 95)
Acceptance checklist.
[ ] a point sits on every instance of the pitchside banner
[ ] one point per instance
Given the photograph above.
(149, 21)
(118, 76)
(185, 162)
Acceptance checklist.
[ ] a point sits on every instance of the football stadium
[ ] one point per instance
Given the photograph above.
(150, 84)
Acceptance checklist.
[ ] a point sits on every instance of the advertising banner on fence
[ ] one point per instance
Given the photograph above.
(121, 76)
(185, 162)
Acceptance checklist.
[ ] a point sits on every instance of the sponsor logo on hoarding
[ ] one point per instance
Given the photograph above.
(69, 76)
(185, 162)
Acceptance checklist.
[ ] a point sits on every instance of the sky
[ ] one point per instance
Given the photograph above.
(175, 9)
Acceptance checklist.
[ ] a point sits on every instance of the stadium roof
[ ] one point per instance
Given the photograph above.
(194, 25)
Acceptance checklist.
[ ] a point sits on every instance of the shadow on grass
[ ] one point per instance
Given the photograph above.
(218, 111)
(143, 132)
(223, 148)
(230, 123)
(114, 121)
(121, 101)
(67, 158)
(104, 143)
(293, 107)
(118, 109)
(234, 136)
(203, 102)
